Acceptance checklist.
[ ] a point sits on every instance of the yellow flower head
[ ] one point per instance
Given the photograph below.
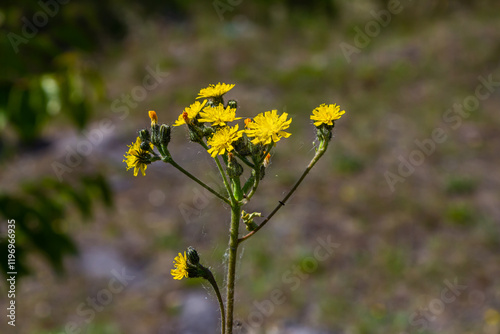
(326, 114)
(215, 90)
(268, 127)
(137, 158)
(218, 115)
(222, 140)
(153, 116)
(180, 270)
(190, 113)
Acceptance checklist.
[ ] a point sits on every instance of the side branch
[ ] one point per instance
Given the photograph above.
(319, 153)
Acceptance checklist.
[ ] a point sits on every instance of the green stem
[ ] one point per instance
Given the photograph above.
(221, 171)
(168, 159)
(243, 159)
(319, 153)
(224, 179)
(255, 183)
(231, 270)
(213, 282)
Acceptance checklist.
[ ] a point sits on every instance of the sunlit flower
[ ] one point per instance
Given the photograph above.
(190, 113)
(268, 127)
(180, 263)
(215, 90)
(326, 114)
(137, 158)
(153, 116)
(218, 115)
(222, 140)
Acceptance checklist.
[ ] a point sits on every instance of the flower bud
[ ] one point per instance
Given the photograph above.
(243, 146)
(192, 256)
(155, 131)
(234, 169)
(164, 135)
(208, 131)
(195, 133)
(248, 220)
(145, 135)
(232, 104)
(145, 146)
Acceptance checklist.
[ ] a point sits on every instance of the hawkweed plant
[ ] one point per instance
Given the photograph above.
(209, 124)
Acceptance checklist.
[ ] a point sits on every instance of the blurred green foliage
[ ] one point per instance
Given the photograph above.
(41, 212)
(44, 71)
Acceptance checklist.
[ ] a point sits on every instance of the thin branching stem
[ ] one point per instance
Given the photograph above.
(213, 282)
(319, 153)
(166, 157)
(222, 173)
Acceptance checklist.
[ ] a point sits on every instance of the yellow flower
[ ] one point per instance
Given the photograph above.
(137, 158)
(326, 114)
(222, 139)
(218, 115)
(268, 127)
(190, 113)
(153, 116)
(215, 90)
(180, 270)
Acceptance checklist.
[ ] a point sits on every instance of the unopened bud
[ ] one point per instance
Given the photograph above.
(155, 131)
(234, 169)
(192, 256)
(145, 135)
(232, 104)
(164, 136)
(248, 220)
(145, 146)
(195, 133)
(210, 103)
(243, 146)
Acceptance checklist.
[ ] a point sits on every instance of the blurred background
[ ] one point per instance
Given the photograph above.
(397, 229)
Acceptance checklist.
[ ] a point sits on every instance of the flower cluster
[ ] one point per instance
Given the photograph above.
(209, 121)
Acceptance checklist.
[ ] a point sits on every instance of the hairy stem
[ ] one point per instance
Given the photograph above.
(231, 270)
